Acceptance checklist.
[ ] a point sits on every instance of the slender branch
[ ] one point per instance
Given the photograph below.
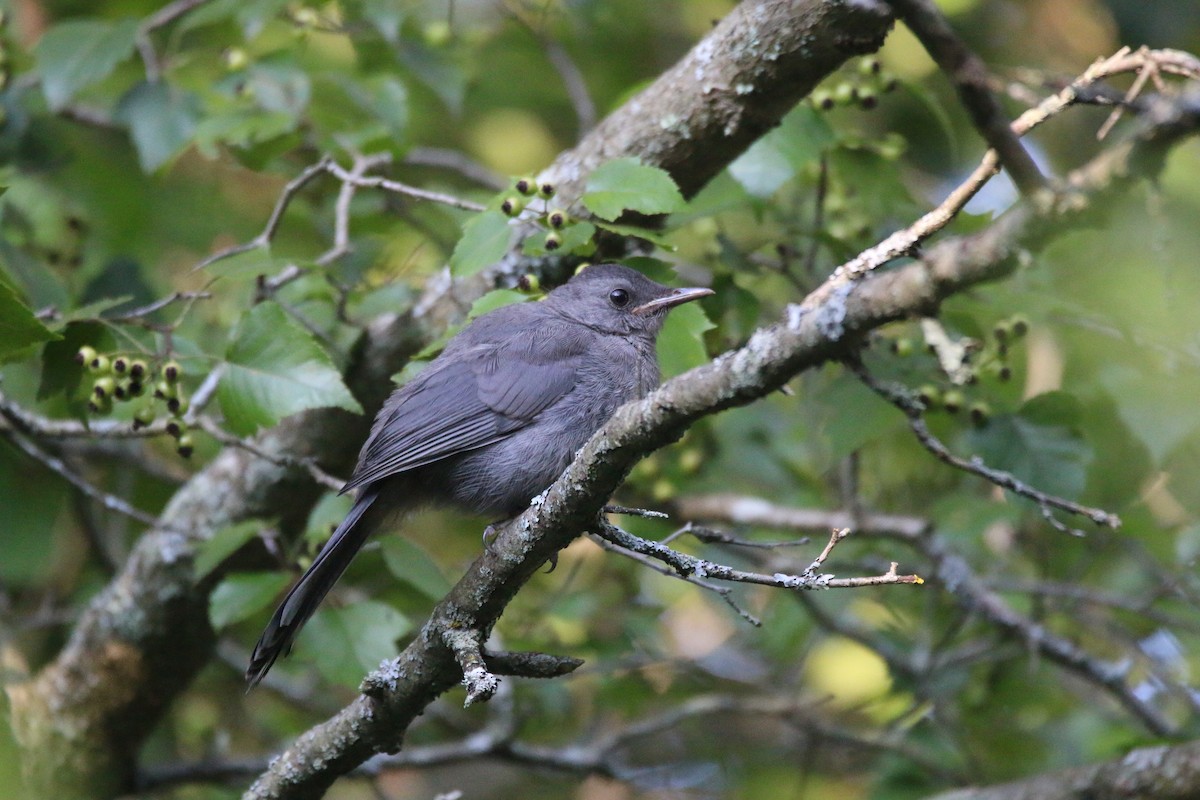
(746, 510)
(59, 467)
(263, 239)
(396, 187)
(914, 411)
(970, 78)
(686, 565)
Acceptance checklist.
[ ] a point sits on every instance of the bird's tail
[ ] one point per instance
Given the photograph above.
(312, 587)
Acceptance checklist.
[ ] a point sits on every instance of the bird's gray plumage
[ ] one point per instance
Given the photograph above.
(494, 419)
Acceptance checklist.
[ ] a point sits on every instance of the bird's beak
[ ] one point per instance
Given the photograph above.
(676, 297)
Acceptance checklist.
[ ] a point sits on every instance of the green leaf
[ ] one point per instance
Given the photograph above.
(626, 184)
(275, 368)
(576, 239)
(161, 120)
(241, 596)
(681, 343)
(246, 265)
(346, 642)
(78, 53)
(241, 128)
(222, 544)
(497, 298)
(776, 157)
(485, 240)
(1038, 444)
(411, 564)
(652, 236)
(1162, 421)
(19, 328)
(329, 511)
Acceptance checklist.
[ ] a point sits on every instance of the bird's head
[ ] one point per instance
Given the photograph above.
(616, 299)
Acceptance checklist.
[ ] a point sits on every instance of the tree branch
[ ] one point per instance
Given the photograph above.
(813, 333)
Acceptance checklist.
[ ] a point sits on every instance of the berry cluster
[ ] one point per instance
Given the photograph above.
(555, 219)
(988, 359)
(861, 90)
(122, 378)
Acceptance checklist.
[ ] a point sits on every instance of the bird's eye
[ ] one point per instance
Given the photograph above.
(619, 298)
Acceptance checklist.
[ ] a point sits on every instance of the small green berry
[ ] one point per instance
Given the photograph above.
(136, 388)
(980, 414)
(143, 416)
(869, 66)
(164, 390)
(526, 186)
(929, 396)
(844, 93)
(553, 241)
(867, 98)
(1002, 330)
(137, 369)
(513, 206)
(529, 283)
(121, 391)
(822, 99)
(99, 365)
(1020, 326)
(546, 191)
(235, 59)
(557, 218)
(178, 406)
(184, 446)
(953, 401)
(176, 428)
(104, 387)
(120, 365)
(100, 405)
(85, 355)
(902, 347)
(171, 371)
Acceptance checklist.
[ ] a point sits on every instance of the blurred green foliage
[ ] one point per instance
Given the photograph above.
(121, 176)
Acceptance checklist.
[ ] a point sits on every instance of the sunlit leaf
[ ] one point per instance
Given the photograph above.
(626, 185)
(275, 368)
(485, 240)
(78, 53)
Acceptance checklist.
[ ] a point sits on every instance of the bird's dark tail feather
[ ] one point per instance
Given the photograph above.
(312, 587)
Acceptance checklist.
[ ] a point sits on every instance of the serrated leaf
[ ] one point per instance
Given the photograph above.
(776, 157)
(241, 596)
(411, 564)
(275, 368)
(222, 544)
(485, 240)
(652, 236)
(78, 53)
(1038, 445)
(19, 328)
(346, 642)
(161, 120)
(627, 185)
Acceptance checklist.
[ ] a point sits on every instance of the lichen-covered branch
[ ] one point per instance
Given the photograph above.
(814, 332)
(144, 637)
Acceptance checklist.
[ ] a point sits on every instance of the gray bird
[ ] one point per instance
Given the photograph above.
(494, 419)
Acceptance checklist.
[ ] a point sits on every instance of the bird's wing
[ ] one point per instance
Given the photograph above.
(475, 399)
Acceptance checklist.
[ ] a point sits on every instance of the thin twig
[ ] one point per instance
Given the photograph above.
(378, 182)
(685, 565)
(913, 410)
(970, 77)
(56, 465)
